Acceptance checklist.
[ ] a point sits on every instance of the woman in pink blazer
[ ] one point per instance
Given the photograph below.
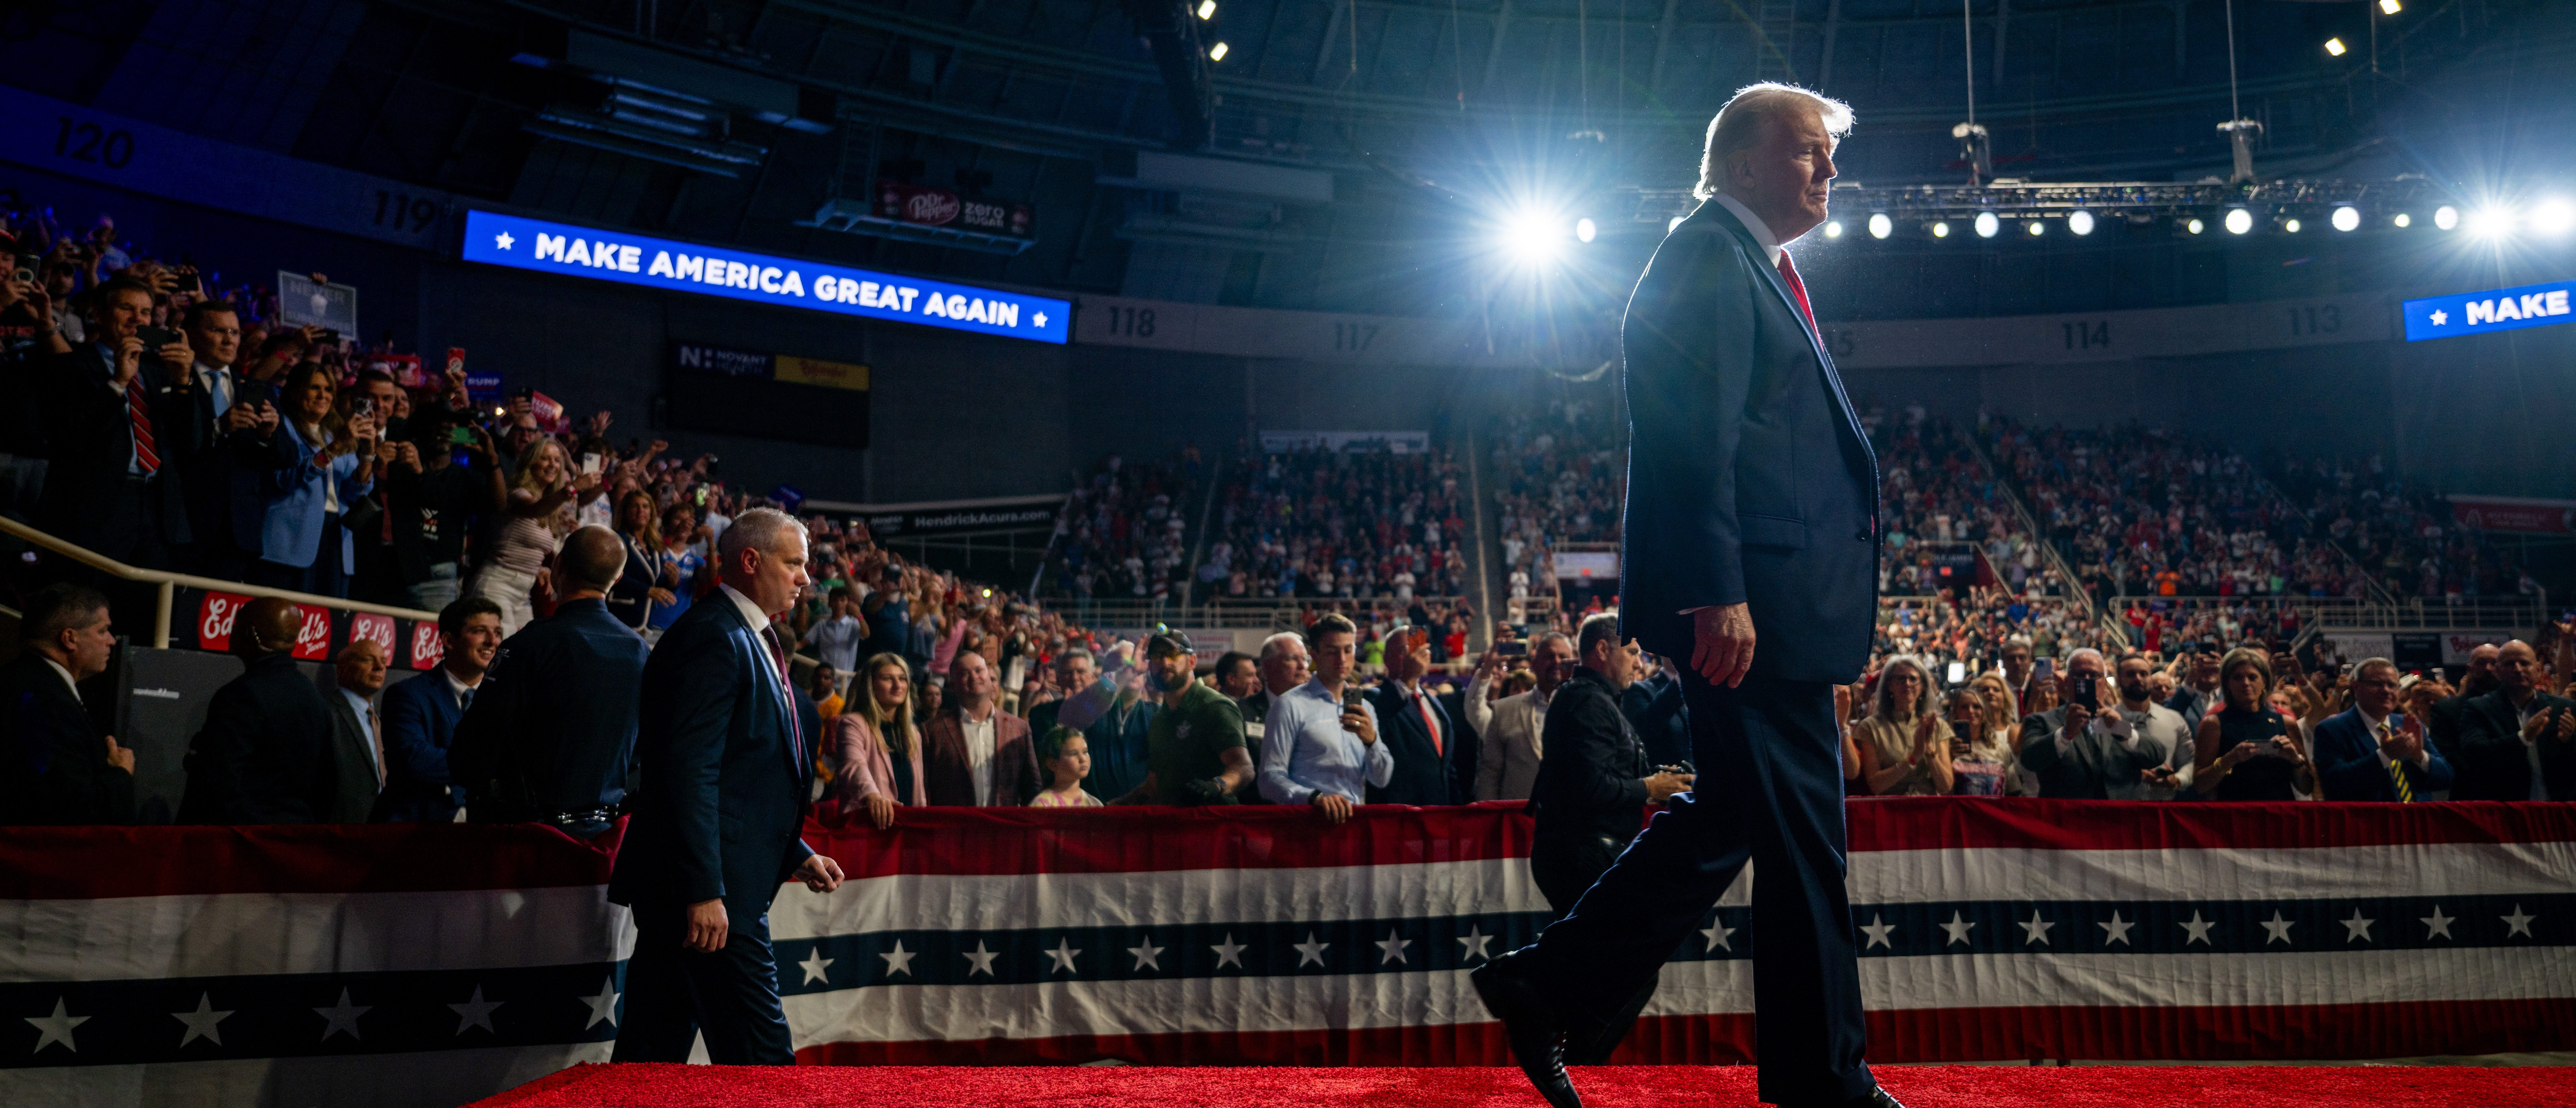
(880, 751)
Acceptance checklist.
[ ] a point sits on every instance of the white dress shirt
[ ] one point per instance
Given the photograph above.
(1305, 751)
(375, 749)
(68, 683)
(979, 754)
(1761, 231)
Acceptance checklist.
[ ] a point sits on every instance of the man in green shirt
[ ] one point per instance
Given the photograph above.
(1195, 747)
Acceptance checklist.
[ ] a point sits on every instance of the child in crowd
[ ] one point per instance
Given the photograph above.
(1068, 758)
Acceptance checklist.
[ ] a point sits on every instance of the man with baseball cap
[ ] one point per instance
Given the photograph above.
(1195, 745)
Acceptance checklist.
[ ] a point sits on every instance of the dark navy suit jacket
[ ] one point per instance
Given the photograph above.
(722, 793)
(553, 725)
(2347, 760)
(420, 725)
(1749, 479)
(1425, 775)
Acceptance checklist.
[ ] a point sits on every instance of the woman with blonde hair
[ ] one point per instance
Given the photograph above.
(1904, 743)
(1984, 758)
(543, 489)
(880, 747)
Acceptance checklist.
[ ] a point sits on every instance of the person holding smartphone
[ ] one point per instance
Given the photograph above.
(1319, 742)
(2246, 750)
(2083, 749)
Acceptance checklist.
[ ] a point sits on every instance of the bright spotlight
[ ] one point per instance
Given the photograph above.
(2390, 7)
(1585, 230)
(2195, 226)
(1987, 225)
(1532, 237)
(1673, 226)
(2037, 228)
(2446, 217)
(2553, 216)
(2347, 218)
(2491, 222)
(1833, 228)
(1207, 9)
(2290, 225)
(2239, 221)
(1940, 230)
(1880, 226)
(2335, 47)
(2403, 220)
(2080, 221)
(1217, 52)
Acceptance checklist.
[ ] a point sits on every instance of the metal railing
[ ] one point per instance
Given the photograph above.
(2410, 613)
(170, 583)
(1277, 614)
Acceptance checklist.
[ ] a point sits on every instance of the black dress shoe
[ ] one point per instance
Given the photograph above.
(1537, 1038)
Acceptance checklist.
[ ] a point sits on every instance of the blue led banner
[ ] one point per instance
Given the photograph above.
(576, 251)
(2477, 313)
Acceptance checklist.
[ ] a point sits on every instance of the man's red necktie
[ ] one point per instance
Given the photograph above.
(1430, 722)
(139, 414)
(1797, 290)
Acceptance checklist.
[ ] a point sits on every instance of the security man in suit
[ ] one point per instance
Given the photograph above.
(120, 417)
(2371, 751)
(1595, 779)
(1752, 504)
(2445, 722)
(55, 766)
(551, 737)
(727, 763)
(357, 732)
(265, 752)
(2518, 742)
(1413, 726)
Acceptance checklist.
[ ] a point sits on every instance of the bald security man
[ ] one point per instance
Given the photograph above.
(265, 753)
(551, 736)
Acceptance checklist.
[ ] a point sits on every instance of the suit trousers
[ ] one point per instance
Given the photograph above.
(673, 993)
(1770, 791)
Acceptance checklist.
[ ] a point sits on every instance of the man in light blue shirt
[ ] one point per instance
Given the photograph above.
(1314, 750)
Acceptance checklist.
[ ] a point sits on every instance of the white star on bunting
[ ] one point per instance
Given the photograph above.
(1310, 950)
(2279, 928)
(899, 960)
(1475, 944)
(1958, 927)
(1878, 930)
(1717, 934)
(2357, 929)
(603, 1006)
(475, 1012)
(2197, 928)
(2437, 923)
(1229, 952)
(56, 1028)
(503, 240)
(1063, 954)
(201, 1023)
(2518, 924)
(2116, 931)
(2036, 931)
(1148, 956)
(342, 1016)
(1391, 948)
(982, 959)
(816, 966)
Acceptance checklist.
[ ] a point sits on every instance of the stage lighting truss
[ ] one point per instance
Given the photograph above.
(2256, 210)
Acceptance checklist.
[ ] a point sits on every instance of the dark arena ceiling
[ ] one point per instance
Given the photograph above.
(1353, 155)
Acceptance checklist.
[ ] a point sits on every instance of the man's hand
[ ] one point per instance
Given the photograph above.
(1662, 786)
(118, 756)
(267, 419)
(129, 359)
(2539, 722)
(707, 927)
(407, 455)
(1357, 722)
(663, 596)
(1722, 643)
(2405, 744)
(182, 359)
(1335, 806)
(240, 417)
(820, 873)
(2077, 717)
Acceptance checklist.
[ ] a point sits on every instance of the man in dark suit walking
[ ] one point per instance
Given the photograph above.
(551, 737)
(727, 762)
(357, 732)
(264, 755)
(421, 716)
(2518, 742)
(55, 766)
(1414, 727)
(2372, 752)
(1752, 503)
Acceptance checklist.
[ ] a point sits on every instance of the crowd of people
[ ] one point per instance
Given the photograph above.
(1339, 525)
(2403, 535)
(1559, 477)
(1126, 532)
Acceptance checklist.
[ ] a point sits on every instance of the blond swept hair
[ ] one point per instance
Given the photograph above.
(1738, 125)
